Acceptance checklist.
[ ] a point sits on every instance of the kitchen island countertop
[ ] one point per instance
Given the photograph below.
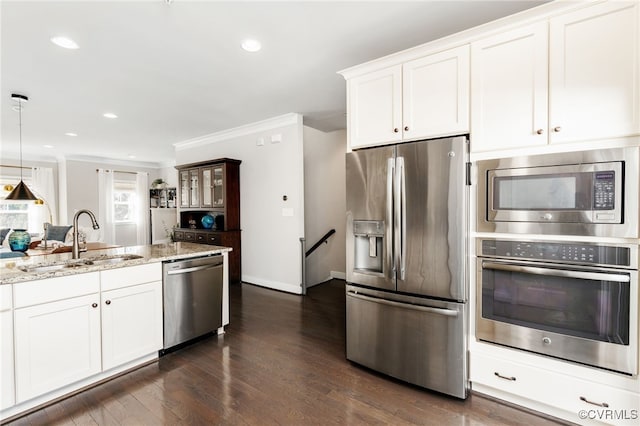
(11, 273)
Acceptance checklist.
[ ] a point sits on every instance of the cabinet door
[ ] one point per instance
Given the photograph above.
(7, 389)
(435, 95)
(207, 187)
(375, 108)
(509, 79)
(194, 188)
(218, 186)
(56, 344)
(594, 75)
(184, 188)
(131, 323)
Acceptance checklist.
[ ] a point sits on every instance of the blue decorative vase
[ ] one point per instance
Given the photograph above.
(19, 240)
(207, 221)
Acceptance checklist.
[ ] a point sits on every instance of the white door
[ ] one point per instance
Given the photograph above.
(375, 108)
(56, 344)
(594, 74)
(436, 95)
(131, 323)
(509, 79)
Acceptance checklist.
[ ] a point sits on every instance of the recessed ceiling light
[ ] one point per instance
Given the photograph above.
(65, 42)
(71, 134)
(109, 115)
(131, 156)
(48, 146)
(251, 45)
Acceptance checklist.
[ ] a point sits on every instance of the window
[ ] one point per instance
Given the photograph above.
(124, 201)
(14, 214)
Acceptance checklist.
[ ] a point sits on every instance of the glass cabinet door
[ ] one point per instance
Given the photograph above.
(184, 188)
(194, 189)
(218, 186)
(206, 187)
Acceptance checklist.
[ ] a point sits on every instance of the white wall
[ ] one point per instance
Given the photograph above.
(79, 187)
(270, 240)
(325, 202)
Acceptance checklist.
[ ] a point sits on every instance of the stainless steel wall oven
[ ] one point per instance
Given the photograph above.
(575, 301)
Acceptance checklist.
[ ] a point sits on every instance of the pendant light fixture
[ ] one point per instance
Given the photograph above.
(21, 191)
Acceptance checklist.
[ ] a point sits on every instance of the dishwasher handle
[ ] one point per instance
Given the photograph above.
(193, 269)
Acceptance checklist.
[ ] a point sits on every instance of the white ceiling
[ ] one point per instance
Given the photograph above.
(173, 71)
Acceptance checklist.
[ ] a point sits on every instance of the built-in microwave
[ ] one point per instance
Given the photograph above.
(589, 193)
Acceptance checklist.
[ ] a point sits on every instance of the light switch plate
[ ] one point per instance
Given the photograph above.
(260, 142)
(287, 212)
(277, 138)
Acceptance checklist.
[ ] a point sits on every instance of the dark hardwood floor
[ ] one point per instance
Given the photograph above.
(281, 362)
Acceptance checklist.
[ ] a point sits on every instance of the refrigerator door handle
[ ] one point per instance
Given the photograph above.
(430, 309)
(402, 194)
(389, 235)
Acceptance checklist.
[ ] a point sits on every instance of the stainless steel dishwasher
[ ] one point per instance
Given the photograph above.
(192, 298)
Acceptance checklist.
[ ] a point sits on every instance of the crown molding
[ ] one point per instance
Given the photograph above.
(247, 129)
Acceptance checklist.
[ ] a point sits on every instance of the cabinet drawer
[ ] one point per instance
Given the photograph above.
(178, 235)
(189, 236)
(6, 297)
(567, 393)
(214, 239)
(132, 275)
(201, 238)
(52, 289)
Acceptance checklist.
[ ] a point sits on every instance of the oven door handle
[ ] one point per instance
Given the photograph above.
(584, 275)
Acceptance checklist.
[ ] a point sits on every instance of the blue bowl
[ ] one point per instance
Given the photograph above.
(207, 221)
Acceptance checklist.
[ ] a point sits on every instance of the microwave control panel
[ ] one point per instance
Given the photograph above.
(604, 190)
(559, 252)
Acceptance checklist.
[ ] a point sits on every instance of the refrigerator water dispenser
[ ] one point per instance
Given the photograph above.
(368, 238)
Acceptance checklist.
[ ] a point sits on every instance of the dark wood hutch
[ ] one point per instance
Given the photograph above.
(211, 188)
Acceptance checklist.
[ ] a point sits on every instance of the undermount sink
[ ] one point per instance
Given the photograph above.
(52, 267)
(78, 263)
(115, 258)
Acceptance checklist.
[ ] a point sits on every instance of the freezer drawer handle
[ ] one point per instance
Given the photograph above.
(194, 269)
(558, 273)
(439, 311)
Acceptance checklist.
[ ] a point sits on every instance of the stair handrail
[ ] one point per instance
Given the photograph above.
(320, 241)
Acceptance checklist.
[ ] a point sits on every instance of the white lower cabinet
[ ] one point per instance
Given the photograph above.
(7, 382)
(56, 344)
(131, 323)
(577, 400)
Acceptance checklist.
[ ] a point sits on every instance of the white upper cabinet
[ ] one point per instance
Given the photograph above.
(509, 89)
(594, 76)
(375, 109)
(422, 98)
(574, 78)
(435, 95)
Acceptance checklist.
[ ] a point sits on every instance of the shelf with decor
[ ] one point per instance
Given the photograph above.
(208, 198)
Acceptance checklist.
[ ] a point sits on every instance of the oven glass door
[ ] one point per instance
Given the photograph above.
(586, 304)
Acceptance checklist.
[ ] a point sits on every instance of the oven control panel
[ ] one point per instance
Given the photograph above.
(558, 252)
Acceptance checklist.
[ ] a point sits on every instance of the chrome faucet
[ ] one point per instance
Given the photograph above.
(76, 246)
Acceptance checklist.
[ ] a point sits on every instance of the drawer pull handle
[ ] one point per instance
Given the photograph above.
(94, 305)
(511, 378)
(108, 302)
(598, 404)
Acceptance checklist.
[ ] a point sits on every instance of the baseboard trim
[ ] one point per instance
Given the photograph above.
(338, 275)
(276, 285)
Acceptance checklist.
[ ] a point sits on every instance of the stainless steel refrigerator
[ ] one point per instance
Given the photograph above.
(406, 290)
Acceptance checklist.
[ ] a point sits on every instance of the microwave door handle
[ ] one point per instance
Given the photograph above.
(583, 275)
(389, 235)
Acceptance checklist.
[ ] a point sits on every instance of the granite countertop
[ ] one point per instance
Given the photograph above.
(10, 271)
